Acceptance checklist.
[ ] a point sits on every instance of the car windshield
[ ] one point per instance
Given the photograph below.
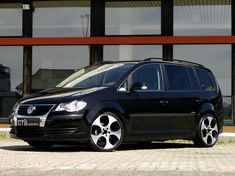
(102, 75)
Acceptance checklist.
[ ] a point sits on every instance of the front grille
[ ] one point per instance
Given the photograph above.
(39, 110)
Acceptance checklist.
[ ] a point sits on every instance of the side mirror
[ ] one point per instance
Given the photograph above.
(122, 89)
(144, 87)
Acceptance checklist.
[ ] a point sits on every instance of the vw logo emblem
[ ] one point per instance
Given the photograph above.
(31, 109)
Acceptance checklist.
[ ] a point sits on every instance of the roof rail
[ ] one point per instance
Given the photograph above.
(174, 60)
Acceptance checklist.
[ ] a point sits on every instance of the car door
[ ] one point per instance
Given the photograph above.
(143, 101)
(182, 103)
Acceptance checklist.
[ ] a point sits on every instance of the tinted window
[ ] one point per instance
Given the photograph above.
(177, 77)
(147, 78)
(205, 80)
(193, 79)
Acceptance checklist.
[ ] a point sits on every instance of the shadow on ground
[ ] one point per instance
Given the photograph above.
(84, 148)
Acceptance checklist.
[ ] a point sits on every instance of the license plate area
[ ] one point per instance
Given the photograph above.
(28, 122)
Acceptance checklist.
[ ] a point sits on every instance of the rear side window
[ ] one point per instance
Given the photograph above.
(205, 80)
(193, 79)
(177, 77)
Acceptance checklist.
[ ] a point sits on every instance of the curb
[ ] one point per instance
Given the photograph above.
(5, 129)
(227, 136)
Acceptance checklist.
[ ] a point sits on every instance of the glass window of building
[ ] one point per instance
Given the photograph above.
(52, 64)
(11, 69)
(207, 17)
(12, 58)
(131, 52)
(132, 17)
(61, 19)
(10, 19)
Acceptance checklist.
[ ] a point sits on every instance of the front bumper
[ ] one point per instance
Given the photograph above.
(59, 128)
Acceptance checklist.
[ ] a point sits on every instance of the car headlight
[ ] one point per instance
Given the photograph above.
(71, 106)
(14, 109)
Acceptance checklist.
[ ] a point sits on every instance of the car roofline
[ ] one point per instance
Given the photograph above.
(171, 60)
(160, 60)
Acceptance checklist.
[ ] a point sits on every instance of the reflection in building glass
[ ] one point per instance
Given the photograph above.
(61, 22)
(85, 27)
(131, 52)
(10, 22)
(202, 17)
(132, 17)
(5, 84)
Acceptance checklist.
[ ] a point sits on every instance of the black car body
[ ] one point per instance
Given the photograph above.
(112, 102)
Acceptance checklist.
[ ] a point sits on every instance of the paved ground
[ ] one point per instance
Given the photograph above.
(17, 158)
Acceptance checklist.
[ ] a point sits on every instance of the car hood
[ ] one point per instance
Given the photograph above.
(57, 95)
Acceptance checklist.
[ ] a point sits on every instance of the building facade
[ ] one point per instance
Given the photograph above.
(69, 34)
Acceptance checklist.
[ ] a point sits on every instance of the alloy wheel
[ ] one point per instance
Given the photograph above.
(209, 130)
(106, 131)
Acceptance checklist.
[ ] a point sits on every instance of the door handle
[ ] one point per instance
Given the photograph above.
(163, 102)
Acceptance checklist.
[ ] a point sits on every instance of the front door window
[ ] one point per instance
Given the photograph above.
(147, 78)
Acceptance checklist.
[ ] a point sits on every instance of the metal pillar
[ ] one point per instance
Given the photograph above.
(167, 26)
(233, 83)
(97, 29)
(27, 20)
(233, 63)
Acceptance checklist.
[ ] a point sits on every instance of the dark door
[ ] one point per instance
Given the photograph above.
(182, 99)
(181, 108)
(144, 101)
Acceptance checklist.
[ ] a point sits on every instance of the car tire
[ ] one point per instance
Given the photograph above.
(207, 131)
(41, 145)
(106, 132)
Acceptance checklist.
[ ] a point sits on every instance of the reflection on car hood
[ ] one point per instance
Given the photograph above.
(55, 95)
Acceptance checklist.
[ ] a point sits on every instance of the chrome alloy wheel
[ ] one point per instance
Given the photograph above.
(209, 130)
(106, 132)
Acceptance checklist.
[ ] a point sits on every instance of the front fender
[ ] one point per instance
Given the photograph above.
(99, 107)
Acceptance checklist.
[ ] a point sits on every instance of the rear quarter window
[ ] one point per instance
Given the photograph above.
(204, 79)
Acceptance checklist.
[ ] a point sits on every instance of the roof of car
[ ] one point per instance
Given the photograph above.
(177, 61)
(161, 60)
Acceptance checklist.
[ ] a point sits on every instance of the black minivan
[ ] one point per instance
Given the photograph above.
(109, 103)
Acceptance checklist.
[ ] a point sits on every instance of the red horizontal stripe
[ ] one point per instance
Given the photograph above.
(122, 40)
